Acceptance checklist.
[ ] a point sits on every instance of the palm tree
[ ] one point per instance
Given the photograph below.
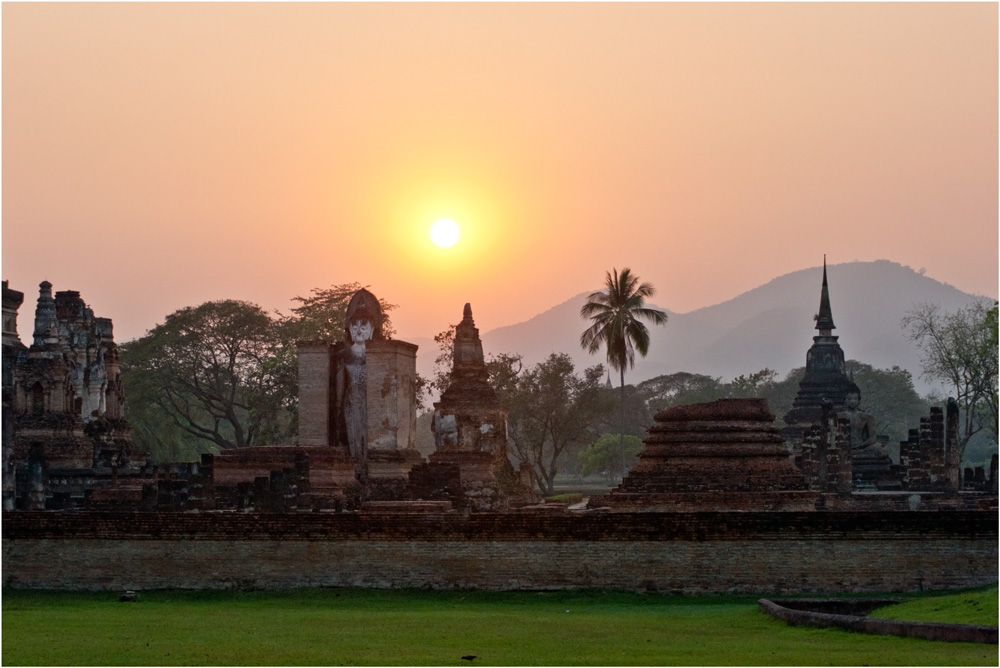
(616, 314)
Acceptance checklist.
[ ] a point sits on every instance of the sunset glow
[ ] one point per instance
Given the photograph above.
(160, 155)
(445, 233)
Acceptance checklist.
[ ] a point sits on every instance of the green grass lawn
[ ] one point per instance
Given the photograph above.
(374, 627)
(977, 606)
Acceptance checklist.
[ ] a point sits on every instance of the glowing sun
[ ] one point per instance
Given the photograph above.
(444, 233)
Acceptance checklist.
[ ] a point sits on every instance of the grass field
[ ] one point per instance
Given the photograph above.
(978, 606)
(376, 627)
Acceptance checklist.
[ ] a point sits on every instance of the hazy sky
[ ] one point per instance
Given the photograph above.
(157, 156)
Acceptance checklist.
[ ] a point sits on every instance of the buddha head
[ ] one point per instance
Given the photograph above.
(852, 399)
(363, 318)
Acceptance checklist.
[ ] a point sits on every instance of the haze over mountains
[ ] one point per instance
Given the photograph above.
(769, 326)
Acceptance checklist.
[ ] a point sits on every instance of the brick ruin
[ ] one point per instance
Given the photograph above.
(825, 380)
(66, 445)
(470, 429)
(727, 454)
(12, 348)
(469, 471)
(64, 399)
(715, 505)
(370, 465)
(826, 386)
(718, 456)
(834, 443)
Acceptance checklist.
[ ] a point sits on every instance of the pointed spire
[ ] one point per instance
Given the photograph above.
(824, 321)
(468, 347)
(46, 322)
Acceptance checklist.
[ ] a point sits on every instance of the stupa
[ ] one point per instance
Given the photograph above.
(719, 456)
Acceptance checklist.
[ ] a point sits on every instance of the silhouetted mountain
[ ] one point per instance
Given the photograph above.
(769, 326)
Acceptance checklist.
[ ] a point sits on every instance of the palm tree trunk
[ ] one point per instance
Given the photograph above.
(622, 440)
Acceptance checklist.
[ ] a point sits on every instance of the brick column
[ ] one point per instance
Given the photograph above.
(391, 368)
(315, 393)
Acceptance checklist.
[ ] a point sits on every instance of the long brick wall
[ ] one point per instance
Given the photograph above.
(693, 553)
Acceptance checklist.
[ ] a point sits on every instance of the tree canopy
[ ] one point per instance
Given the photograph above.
(602, 455)
(960, 350)
(212, 369)
(552, 412)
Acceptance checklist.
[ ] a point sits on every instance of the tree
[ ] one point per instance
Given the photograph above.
(321, 316)
(991, 388)
(438, 383)
(551, 412)
(638, 417)
(616, 314)
(601, 456)
(754, 385)
(504, 372)
(212, 370)
(781, 394)
(679, 389)
(960, 350)
(153, 429)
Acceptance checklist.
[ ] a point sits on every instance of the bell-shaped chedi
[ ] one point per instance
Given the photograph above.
(720, 456)
(470, 428)
(825, 379)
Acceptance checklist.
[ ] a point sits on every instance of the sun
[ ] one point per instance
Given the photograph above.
(445, 232)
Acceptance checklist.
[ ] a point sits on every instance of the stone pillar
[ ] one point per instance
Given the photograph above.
(993, 474)
(952, 452)
(390, 395)
(316, 393)
(391, 368)
(909, 459)
(934, 443)
(840, 465)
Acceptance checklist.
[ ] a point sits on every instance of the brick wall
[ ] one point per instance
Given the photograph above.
(693, 553)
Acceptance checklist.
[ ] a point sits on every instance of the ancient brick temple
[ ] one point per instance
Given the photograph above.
(714, 506)
(12, 349)
(826, 380)
(718, 456)
(357, 418)
(66, 401)
(825, 390)
(929, 464)
(470, 428)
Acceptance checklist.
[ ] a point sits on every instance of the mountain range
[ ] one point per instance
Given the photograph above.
(770, 326)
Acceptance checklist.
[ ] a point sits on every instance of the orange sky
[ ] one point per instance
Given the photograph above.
(157, 156)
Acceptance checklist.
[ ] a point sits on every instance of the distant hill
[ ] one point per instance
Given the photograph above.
(769, 326)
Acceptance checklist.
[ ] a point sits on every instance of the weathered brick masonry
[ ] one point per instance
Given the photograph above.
(694, 553)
